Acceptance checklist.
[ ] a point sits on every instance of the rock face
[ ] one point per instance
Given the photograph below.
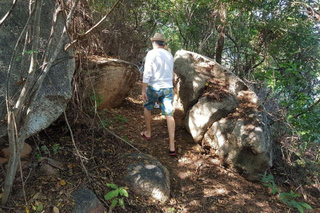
(111, 79)
(221, 112)
(56, 89)
(146, 176)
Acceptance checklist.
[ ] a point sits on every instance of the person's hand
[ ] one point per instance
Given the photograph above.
(144, 97)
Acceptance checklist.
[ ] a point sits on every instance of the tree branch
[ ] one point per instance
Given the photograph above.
(92, 28)
(14, 3)
(308, 109)
(75, 146)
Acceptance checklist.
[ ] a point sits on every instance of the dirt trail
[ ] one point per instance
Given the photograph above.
(198, 182)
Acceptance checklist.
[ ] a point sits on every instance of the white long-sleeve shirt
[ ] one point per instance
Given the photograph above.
(158, 69)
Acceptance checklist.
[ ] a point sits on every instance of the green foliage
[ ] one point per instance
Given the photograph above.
(37, 207)
(121, 119)
(25, 52)
(55, 148)
(105, 123)
(269, 182)
(44, 149)
(116, 122)
(172, 209)
(288, 43)
(287, 198)
(101, 5)
(96, 98)
(116, 195)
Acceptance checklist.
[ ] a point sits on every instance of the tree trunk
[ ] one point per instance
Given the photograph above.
(221, 31)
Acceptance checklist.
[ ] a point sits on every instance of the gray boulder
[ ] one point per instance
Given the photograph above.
(56, 89)
(221, 112)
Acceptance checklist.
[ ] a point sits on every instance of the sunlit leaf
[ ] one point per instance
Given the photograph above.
(121, 202)
(114, 203)
(123, 192)
(305, 205)
(39, 207)
(111, 194)
(112, 185)
(56, 210)
(300, 209)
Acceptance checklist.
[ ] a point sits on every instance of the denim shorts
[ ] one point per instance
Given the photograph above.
(165, 97)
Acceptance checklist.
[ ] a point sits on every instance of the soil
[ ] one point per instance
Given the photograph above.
(198, 182)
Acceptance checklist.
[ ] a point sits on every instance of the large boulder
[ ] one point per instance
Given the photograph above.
(204, 113)
(193, 72)
(221, 112)
(56, 89)
(110, 80)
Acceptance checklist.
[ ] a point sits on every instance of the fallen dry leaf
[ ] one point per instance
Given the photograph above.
(62, 182)
(56, 210)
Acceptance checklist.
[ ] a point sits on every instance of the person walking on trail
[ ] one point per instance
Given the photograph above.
(157, 84)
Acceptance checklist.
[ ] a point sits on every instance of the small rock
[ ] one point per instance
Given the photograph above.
(24, 153)
(49, 170)
(86, 201)
(3, 160)
(50, 166)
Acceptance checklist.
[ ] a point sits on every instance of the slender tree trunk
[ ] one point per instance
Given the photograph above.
(16, 141)
(221, 31)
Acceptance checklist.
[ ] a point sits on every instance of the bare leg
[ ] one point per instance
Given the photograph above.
(171, 131)
(147, 117)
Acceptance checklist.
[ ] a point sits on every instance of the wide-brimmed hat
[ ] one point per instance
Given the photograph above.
(158, 37)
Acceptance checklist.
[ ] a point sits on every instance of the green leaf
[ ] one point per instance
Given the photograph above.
(172, 209)
(275, 190)
(293, 203)
(111, 194)
(123, 192)
(300, 208)
(112, 185)
(114, 203)
(283, 198)
(39, 208)
(292, 194)
(305, 205)
(121, 202)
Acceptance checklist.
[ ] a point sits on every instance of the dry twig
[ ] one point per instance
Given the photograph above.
(14, 3)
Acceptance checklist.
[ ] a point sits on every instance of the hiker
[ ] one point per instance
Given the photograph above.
(141, 69)
(157, 84)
